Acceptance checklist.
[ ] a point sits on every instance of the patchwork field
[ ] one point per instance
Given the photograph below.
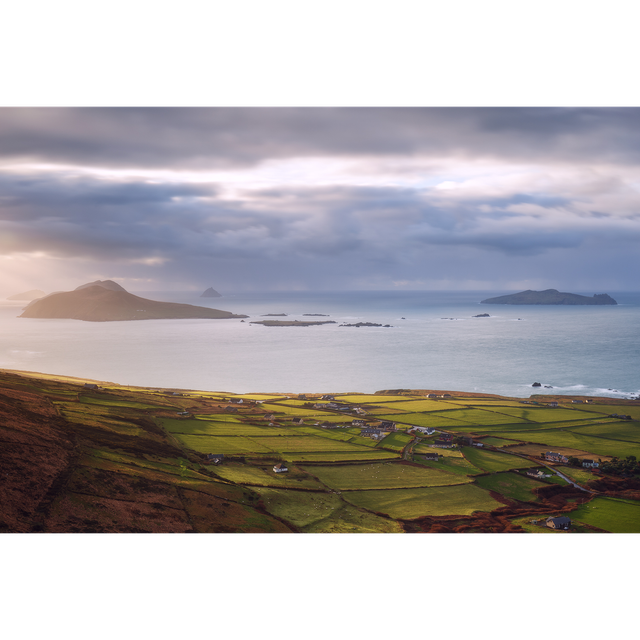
(123, 460)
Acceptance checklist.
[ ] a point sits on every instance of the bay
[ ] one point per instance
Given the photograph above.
(434, 343)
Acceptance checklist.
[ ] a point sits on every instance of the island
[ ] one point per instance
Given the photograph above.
(365, 324)
(104, 302)
(34, 294)
(551, 296)
(211, 293)
(291, 323)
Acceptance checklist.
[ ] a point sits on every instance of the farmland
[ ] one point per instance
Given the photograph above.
(116, 458)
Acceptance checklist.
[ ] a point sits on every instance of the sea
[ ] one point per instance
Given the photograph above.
(434, 342)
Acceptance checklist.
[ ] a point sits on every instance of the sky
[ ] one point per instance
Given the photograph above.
(299, 199)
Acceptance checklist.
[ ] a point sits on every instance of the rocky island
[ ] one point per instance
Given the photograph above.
(291, 323)
(106, 301)
(551, 296)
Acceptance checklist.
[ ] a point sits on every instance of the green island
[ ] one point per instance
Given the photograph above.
(88, 456)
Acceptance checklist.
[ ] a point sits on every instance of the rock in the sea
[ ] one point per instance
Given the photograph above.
(536, 384)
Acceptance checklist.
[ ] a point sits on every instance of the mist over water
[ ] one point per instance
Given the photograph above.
(434, 343)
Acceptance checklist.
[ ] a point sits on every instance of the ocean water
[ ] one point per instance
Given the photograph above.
(434, 343)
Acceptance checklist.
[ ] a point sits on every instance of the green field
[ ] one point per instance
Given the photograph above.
(264, 475)
(395, 441)
(628, 431)
(422, 405)
(457, 465)
(511, 485)
(609, 514)
(573, 440)
(494, 461)
(319, 512)
(214, 428)
(224, 444)
(302, 444)
(497, 442)
(117, 402)
(436, 501)
(422, 420)
(336, 456)
(579, 475)
(386, 475)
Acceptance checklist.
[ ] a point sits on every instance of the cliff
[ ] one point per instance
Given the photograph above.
(95, 303)
(550, 296)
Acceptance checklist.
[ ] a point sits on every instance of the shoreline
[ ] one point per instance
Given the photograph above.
(383, 392)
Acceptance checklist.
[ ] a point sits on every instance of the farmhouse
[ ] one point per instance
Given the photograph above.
(281, 467)
(442, 444)
(555, 457)
(478, 444)
(445, 395)
(329, 425)
(431, 395)
(590, 464)
(216, 458)
(327, 397)
(370, 432)
(552, 404)
(90, 386)
(428, 430)
(559, 523)
(535, 473)
(235, 400)
(430, 456)
(269, 416)
(231, 409)
(358, 423)
(297, 421)
(183, 413)
(385, 425)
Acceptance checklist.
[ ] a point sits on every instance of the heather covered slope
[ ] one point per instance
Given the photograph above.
(72, 466)
(551, 296)
(98, 304)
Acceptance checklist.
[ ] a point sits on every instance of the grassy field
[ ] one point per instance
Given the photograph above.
(628, 431)
(497, 442)
(573, 440)
(457, 465)
(395, 441)
(479, 417)
(511, 485)
(494, 461)
(386, 475)
(321, 512)
(351, 456)
(214, 428)
(263, 475)
(436, 501)
(422, 420)
(422, 405)
(581, 476)
(609, 514)
(302, 444)
(224, 444)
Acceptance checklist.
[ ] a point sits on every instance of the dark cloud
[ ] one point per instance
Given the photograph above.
(226, 137)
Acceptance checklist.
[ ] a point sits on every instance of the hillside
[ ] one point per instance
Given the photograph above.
(27, 295)
(95, 303)
(551, 296)
(81, 456)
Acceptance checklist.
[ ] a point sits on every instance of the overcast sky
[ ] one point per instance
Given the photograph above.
(317, 198)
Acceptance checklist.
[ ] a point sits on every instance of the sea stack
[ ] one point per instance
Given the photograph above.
(211, 293)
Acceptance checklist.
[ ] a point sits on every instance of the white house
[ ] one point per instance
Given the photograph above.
(280, 468)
